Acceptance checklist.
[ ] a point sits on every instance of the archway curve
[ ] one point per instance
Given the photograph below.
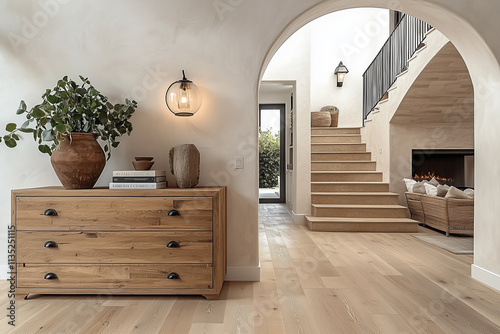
(475, 52)
(484, 70)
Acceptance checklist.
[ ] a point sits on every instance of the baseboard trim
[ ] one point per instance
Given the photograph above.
(4, 269)
(299, 218)
(245, 274)
(486, 277)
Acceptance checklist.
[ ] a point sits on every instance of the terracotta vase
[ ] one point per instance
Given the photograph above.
(79, 161)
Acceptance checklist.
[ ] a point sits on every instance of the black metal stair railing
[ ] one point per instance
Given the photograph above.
(390, 61)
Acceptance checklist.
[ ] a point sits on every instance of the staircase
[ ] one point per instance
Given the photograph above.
(347, 193)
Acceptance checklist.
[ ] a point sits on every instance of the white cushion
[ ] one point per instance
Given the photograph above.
(469, 192)
(456, 193)
(442, 190)
(419, 188)
(409, 184)
(430, 189)
(434, 182)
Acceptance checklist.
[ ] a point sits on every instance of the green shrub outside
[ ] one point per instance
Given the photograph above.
(269, 159)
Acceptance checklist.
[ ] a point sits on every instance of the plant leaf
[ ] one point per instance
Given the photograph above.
(10, 127)
(60, 128)
(44, 149)
(22, 108)
(47, 135)
(38, 112)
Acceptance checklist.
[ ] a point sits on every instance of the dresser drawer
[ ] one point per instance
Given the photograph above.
(148, 276)
(114, 247)
(114, 213)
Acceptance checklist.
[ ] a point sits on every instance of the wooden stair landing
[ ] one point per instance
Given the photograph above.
(347, 193)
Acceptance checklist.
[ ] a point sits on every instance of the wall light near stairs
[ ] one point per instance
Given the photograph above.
(340, 72)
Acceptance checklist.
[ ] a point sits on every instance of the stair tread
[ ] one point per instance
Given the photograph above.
(345, 172)
(342, 152)
(356, 220)
(334, 128)
(347, 182)
(360, 206)
(357, 193)
(338, 135)
(337, 143)
(342, 161)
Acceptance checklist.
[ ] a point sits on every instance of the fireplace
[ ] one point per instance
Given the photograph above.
(452, 166)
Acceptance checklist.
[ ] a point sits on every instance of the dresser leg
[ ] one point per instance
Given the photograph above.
(211, 297)
(22, 296)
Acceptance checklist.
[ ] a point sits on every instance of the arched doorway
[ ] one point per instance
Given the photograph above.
(485, 74)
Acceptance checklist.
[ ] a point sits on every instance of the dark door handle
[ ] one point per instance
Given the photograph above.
(173, 212)
(50, 244)
(173, 276)
(173, 244)
(50, 212)
(50, 276)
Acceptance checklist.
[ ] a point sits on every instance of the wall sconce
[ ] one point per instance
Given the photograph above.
(340, 71)
(183, 97)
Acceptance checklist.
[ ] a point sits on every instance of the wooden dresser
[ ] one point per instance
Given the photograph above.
(101, 241)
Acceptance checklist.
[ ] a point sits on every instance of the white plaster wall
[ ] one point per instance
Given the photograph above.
(224, 45)
(353, 36)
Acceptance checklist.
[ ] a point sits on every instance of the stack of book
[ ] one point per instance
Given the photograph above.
(139, 179)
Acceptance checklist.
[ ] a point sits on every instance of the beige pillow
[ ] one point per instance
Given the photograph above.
(434, 182)
(409, 184)
(419, 188)
(430, 189)
(470, 193)
(442, 190)
(456, 193)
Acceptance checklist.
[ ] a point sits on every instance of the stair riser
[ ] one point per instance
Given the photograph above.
(336, 139)
(363, 227)
(349, 188)
(340, 166)
(340, 156)
(359, 212)
(315, 148)
(346, 177)
(355, 199)
(335, 131)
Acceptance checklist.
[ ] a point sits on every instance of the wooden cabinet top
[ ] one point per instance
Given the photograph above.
(105, 192)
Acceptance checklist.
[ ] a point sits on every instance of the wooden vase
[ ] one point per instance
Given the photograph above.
(79, 161)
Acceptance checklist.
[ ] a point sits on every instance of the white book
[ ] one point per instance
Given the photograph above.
(139, 173)
(135, 185)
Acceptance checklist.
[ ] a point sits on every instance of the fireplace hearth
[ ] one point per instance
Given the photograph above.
(451, 166)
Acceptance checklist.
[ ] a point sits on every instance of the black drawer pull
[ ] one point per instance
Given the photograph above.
(173, 276)
(173, 244)
(50, 276)
(173, 212)
(50, 244)
(50, 212)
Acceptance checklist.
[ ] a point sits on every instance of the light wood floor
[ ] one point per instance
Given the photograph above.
(312, 282)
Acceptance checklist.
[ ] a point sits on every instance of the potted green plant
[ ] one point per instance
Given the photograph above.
(66, 126)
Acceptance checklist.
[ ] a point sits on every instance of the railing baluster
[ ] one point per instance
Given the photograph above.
(391, 59)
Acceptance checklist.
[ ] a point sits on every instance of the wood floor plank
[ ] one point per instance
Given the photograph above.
(153, 316)
(180, 317)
